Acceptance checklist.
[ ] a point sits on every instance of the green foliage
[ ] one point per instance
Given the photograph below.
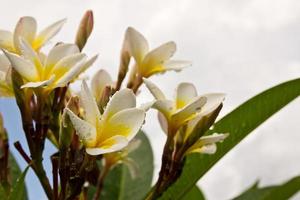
(194, 194)
(239, 123)
(284, 191)
(119, 183)
(18, 189)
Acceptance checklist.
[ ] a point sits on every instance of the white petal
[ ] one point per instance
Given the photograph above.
(85, 130)
(39, 83)
(25, 28)
(6, 40)
(147, 106)
(4, 63)
(155, 91)
(176, 65)
(48, 33)
(8, 77)
(127, 122)
(66, 64)
(211, 139)
(2, 76)
(60, 51)
(136, 44)
(88, 63)
(115, 143)
(121, 100)
(69, 61)
(166, 107)
(207, 149)
(70, 74)
(92, 114)
(188, 112)
(99, 81)
(159, 55)
(185, 93)
(30, 54)
(214, 100)
(24, 67)
(163, 122)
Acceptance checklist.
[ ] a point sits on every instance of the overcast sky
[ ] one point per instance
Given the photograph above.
(239, 47)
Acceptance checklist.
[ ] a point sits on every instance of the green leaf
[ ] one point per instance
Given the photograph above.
(284, 191)
(2, 193)
(15, 173)
(119, 184)
(239, 123)
(194, 194)
(18, 192)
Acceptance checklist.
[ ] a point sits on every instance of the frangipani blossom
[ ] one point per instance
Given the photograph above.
(111, 131)
(6, 89)
(207, 144)
(151, 62)
(186, 108)
(99, 81)
(62, 65)
(26, 28)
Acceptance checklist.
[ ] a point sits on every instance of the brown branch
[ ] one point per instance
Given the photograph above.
(20, 149)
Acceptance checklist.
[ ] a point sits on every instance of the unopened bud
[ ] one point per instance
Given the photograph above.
(123, 68)
(85, 29)
(107, 92)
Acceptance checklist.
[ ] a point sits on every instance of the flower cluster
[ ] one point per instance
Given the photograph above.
(103, 119)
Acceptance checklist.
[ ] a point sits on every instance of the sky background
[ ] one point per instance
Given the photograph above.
(239, 47)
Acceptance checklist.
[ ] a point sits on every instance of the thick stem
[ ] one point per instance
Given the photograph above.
(39, 137)
(41, 174)
(54, 160)
(63, 167)
(167, 158)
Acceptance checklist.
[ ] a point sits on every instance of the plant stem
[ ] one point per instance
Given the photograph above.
(165, 166)
(41, 174)
(100, 182)
(55, 161)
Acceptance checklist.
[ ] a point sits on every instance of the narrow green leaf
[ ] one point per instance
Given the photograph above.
(194, 194)
(120, 185)
(284, 191)
(239, 123)
(18, 192)
(15, 173)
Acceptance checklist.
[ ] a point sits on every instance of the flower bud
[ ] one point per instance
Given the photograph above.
(123, 68)
(85, 29)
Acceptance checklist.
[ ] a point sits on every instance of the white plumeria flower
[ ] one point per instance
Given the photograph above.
(151, 62)
(62, 65)
(27, 28)
(99, 81)
(207, 144)
(111, 131)
(6, 89)
(186, 108)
